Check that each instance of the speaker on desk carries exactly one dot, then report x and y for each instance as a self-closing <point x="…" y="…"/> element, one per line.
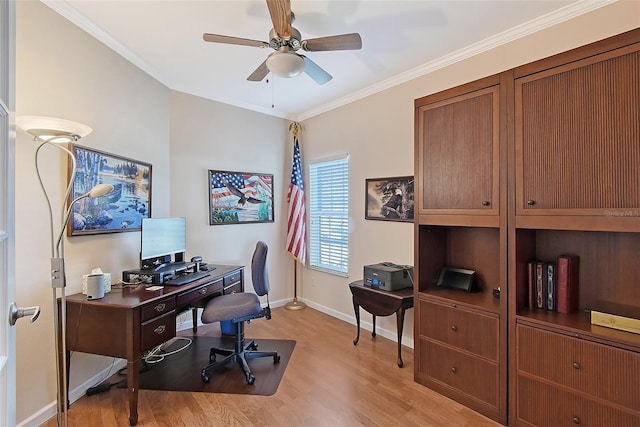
<point x="95" y="286"/>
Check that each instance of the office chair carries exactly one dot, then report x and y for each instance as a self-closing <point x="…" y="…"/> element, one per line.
<point x="239" y="308"/>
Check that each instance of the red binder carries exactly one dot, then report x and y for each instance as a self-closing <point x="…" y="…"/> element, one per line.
<point x="567" y="283"/>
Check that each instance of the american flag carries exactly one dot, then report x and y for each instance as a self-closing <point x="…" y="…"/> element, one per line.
<point x="296" y="226"/>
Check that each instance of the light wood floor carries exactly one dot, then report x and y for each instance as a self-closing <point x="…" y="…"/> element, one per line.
<point x="328" y="382"/>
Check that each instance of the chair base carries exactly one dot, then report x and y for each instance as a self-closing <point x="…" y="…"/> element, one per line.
<point x="243" y="351"/>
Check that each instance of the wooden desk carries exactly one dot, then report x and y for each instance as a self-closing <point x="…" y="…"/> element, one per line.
<point x="128" y="322"/>
<point x="381" y="303"/>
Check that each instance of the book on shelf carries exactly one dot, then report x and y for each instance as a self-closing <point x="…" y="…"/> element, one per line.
<point x="567" y="279"/>
<point x="616" y="316"/>
<point x="531" y="284"/>
<point x="550" y="277"/>
<point x="541" y="282"/>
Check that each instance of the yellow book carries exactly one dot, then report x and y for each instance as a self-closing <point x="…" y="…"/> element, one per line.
<point x="616" y="316"/>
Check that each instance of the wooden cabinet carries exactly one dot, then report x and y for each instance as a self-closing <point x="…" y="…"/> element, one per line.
<point x="576" y="175"/>
<point x="539" y="161"/>
<point x="459" y="148"/>
<point x="461" y="336"/>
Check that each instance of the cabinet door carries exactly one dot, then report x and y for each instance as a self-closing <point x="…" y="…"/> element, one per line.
<point x="577" y="133"/>
<point x="459" y="143"/>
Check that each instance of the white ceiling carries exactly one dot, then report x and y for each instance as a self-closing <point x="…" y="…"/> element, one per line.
<point x="401" y="40"/>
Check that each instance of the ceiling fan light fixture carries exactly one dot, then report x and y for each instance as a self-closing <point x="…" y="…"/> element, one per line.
<point x="285" y="64"/>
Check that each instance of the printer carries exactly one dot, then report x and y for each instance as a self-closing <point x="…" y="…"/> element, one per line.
<point x="388" y="276"/>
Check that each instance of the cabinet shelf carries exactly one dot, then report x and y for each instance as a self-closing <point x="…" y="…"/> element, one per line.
<point x="579" y="325"/>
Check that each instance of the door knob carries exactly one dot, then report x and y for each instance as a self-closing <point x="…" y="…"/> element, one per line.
<point x="16" y="312"/>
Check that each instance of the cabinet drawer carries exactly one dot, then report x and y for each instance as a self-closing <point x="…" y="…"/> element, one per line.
<point x="159" y="308"/>
<point x="233" y="289"/>
<point x="472" y="331"/>
<point x="544" y="405"/>
<point x="199" y="293"/>
<point x="471" y="375"/>
<point x="158" y="330"/>
<point x="599" y="370"/>
<point x="232" y="279"/>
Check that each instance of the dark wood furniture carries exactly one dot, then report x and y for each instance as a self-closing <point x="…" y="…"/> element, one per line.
<point x="381" y="303"/>
<point x="548" y="155"/>
<point x="460" y="337"/>
<point x="128" y="322"/>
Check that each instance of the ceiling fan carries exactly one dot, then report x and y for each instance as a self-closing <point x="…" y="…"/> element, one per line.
<point x="286" y="41"/>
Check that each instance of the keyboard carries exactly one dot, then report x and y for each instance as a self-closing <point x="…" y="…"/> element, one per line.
<point x="186" y="278"/>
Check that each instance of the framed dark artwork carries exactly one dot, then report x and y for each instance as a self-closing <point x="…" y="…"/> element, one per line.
<point x="389" y="199"/>
<point x="123" y="208"/>
<point x="240" y="197"/>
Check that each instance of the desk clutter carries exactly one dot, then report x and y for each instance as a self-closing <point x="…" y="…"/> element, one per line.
<point x="170" y="274"/>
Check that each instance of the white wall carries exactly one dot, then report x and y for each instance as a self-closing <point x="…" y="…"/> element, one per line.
<point x="378" y="134"/>
<point x="61" y="71"/>
<point x="207" y="135"/>
<point x="64" y="72"/>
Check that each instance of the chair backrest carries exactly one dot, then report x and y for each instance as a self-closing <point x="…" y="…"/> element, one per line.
<point x="259" y="273"/>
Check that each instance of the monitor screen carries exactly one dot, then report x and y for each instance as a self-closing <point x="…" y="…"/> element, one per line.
<point x="162" y="236"/>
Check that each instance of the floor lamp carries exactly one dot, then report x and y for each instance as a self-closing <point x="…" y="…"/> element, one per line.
<point x="53" y="132"/>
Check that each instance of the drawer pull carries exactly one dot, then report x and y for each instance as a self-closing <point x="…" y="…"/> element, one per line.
<point x="576" y="365"/>
<point x="203" y="291"/>
<point x="531" y="202"/>
<point x="160" y="329"/>
<point x="576" y="420"/>
<point x="454" y="370"/>
<point x="454" y="328"/>
<point x="486" y="203"/>
<point x="160" y="307"/>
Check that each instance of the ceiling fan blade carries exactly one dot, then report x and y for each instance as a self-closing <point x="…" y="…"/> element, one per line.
<point x="259" y="73"/>
<point x="215" y="38"/>
<point x="280" y="11"/>
<point x="315" y="72"/>
<point x="342" y="42"/>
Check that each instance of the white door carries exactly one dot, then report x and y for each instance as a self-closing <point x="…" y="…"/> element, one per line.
<point x="7" y="212"/>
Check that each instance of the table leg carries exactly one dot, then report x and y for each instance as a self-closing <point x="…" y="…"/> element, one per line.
<point x="373" y="332"/>
<point x="194" y="319"/>
<point x="400" y="322"/>
<point x="356" y="309"/>
<point x="133" y="382"/>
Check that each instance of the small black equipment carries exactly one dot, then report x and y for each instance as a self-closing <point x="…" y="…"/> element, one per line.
<point x="388" y="276"/>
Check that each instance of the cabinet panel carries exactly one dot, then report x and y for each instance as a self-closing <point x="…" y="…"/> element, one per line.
<point x="541" y="404"/>
<point x="459" y="146"/>
<point x="474" y="332"/>
<point x="577" y="133"/>
<point x="602" y="371"/>
<point x="471" y="375"/>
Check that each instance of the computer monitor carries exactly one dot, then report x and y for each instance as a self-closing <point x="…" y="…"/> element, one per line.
<point x="162" y="239"/>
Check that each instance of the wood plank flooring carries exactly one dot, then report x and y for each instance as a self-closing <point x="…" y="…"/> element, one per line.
<point x="328" y="382"/>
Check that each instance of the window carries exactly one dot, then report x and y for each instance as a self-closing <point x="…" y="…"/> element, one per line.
<point x="329" y="215"/>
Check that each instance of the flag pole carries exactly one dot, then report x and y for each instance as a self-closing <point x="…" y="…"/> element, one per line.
<point x="295" y="304"/>
<point x="296" y="226"/>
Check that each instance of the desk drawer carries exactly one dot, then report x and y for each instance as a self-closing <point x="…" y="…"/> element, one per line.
<point x="472" y="331"/>
<point x="476" y="377"/>
<point x="158" y="330"/>
<point x="158" y="309"/>
<point x="542" y="404"/>
<point x="581" y="365"/>
<point x="232" y="279"/>
<point x="200" y="292"/>
<point x="233" y="289"/>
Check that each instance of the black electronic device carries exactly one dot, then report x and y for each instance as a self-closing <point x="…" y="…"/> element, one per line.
<point x="388" y="276"/>
<point x="160" y="240"/>
<point x="457" y="278"/>
<point x="159" y="275"/>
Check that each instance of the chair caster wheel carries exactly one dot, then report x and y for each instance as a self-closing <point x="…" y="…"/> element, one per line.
<point x="276" y="358"/>
<point x="254" y="346"/>
<point x="251" y="379"/>
<point x="212" y="358"/>
<point x="205" y="377"/>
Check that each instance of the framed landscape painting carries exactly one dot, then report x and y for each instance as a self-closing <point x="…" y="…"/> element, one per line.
<point x="240" y="197"/>
<point x="123" y="208"/>
<point x="389" y="199"/>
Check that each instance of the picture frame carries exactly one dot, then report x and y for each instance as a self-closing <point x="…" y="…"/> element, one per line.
<point x="122" y="209"/>
<point x="389" y="199"/>
<point x="240" y="197"/>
